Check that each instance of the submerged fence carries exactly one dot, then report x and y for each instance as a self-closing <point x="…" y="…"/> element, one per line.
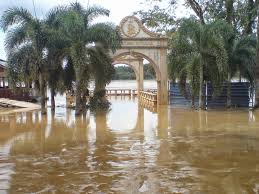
<point x="241" y="95"/>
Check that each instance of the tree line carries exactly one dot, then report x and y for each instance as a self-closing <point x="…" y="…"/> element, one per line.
<point x="214" y="44"/>
<point x="127" y="73"/>
<point x="64" y="50"/>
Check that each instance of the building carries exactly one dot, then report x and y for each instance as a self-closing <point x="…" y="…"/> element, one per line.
<point x="3" y="77"/>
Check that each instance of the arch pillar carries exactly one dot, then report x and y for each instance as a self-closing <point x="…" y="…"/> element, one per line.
<point x="162" y="83"/>
<point x="139" y="42"/>
<point x="140" y="81"/>
<point x="137" y="65"/>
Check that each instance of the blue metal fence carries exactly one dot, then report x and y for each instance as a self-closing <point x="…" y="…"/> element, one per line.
<point x="240" y="95"/>
<point x="177" y="98"/>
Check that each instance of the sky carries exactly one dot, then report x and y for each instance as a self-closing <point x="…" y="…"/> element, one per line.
<point x="118" y="10"/>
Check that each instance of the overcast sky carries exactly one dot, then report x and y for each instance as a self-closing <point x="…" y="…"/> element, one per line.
<point x="118" y="10"/>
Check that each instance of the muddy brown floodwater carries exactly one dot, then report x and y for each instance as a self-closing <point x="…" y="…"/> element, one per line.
<point x="130" y="150"/>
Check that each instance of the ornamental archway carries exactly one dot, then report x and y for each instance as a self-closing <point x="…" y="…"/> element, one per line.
<point x="138" y="43"/>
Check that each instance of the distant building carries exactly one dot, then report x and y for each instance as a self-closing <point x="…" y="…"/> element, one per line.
<point x="3" y="78"/>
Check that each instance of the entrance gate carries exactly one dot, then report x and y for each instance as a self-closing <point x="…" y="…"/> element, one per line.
<point x="138" y="43"/>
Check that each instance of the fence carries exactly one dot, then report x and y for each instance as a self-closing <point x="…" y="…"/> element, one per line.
<point x="20" y="94"/>
<point x="240" y="95"/>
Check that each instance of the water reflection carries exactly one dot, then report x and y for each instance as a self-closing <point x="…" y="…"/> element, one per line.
<point x="130" y="150"/>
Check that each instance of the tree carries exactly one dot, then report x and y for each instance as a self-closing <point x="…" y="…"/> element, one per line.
<point x="199" y="54"/>
<point x="149" y="72"/>
<point x="75" y="22"/>
<point x="158" y="19"/>
<point x="103" y="71"/>
<point x="56" y="52"/>
<point x="26" y="36"/>
<point x="240" y="25"/>
<point x="257" y="59"/>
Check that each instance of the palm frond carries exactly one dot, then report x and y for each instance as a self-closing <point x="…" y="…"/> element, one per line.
<point x="104" y="33"/>
<point x="95" y="11"/>
<point x="53" y="17"/>
<point x="15" y="15"/>
<point x="20" y="64"/>
<point x="16" y="36"/>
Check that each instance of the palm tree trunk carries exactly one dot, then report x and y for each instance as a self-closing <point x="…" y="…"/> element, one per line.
<point x="78" y="107"/>
<point x="201" y="98"/>
<point x="257" y="61"/>
<point x="193" y="101"/>
<point x="229" y="90"/>
<point x="84" y="95"/>
<point x="52" y="93"/>
<point x="99" y="86"/>
<point x="42" y="94"/>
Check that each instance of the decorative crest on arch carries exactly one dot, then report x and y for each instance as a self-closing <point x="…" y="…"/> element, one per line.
<point x="132" y="27"/>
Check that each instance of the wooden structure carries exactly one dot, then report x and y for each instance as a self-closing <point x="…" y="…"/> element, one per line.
<point x="21" y="93"/>
<point x="149" y="98"/>
<point x="121" y="92"/>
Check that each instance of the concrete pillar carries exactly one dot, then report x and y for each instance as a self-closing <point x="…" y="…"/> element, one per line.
<point x="141" y="75"/>
<point x="137" y="65"/>
<point x="162" y="88"/>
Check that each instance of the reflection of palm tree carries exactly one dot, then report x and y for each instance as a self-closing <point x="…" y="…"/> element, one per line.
<point x="104" y="149"/>
<point x="59" y="135"/>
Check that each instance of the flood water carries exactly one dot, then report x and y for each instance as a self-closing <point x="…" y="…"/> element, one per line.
<point x="130" y="150"/>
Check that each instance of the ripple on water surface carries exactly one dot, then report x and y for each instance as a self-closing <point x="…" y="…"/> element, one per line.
<point x="130" y="150"/>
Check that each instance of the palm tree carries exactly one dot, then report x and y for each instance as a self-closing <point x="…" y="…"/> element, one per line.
<point x="257" y="59"/>
<point x="56" y="53"/>
<point x="242" y="61"/>
<point x="103" y="71"/>
<point x="75" y="22"/>
<point x="26" y="36"/>
<point x="200" y="55"/>
<point x="184" y="61"/>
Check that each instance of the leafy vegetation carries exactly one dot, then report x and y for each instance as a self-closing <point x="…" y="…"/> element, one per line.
<point x="67" y="48"/>
<point x="38" y="50"/>
<point x="213" y="45"/>
<point x="127" y="73"/>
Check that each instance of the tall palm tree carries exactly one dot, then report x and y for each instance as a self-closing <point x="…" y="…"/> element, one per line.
<point x="56" y="53"/>
<point x="242" y="61"/>
<point x="76" y="23"/>
<point x="200" y="55"/>
<point x="26" y="33"/>
<point x="257" y="59"/>
<point x="103" y="71"/>
<point x="184" y="61"/>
